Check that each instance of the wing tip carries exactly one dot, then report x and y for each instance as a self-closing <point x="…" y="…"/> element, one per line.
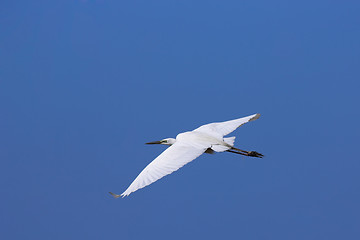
<point x="255" y="116"/>
<point x="115" y="195"/>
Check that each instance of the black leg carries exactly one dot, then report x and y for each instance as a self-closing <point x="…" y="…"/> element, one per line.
<point x="237" y="152"/>
<point x="245" y="153"/>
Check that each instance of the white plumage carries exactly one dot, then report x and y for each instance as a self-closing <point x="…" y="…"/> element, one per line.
<point x="186" y="147"/>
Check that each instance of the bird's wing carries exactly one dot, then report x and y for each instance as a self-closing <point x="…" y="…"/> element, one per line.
<point x="224" y="128"/>
<point x="167" y="162"/>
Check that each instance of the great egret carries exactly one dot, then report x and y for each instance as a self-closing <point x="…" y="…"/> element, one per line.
<point x="186" y="147"/>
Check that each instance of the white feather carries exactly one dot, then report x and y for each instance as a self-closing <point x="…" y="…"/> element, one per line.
<point x="169" y="161"/>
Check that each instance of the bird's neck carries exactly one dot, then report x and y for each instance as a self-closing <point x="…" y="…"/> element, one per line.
<point x="171" y="141"/>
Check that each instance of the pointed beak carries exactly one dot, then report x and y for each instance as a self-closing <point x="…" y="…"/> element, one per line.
<point x="155" y="142"/>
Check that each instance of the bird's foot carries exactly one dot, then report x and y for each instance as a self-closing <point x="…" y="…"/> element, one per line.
<point x="254" y="154"/>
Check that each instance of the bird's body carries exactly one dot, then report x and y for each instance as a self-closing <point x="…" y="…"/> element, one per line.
<point x="201" y="140"/>
<point x="186" y="147"/>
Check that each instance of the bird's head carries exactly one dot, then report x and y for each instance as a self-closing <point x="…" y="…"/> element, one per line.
<point x="166" y="141"/>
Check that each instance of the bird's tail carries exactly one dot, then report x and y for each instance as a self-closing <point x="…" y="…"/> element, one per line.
<point x="230" y="141"/>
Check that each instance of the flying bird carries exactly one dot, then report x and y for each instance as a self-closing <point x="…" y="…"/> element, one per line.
<point x="186" y="147"/>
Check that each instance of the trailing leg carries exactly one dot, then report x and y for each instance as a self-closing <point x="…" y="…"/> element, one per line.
<point x="245" y="153"/>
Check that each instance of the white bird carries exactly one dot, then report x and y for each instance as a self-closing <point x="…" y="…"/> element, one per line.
<point x="186" y="147"/>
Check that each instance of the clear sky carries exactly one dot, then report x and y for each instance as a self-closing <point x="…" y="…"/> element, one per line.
<point x="84" y="84"/>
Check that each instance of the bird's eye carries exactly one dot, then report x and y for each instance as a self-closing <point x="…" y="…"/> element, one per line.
<point x="164" y="141"/>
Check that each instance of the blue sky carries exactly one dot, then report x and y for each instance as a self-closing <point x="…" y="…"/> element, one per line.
<point x="84" y="84"/>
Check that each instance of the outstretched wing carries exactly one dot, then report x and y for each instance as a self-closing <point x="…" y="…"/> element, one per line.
<point x="224" y="128"/>
<point x="167" y="162"/>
